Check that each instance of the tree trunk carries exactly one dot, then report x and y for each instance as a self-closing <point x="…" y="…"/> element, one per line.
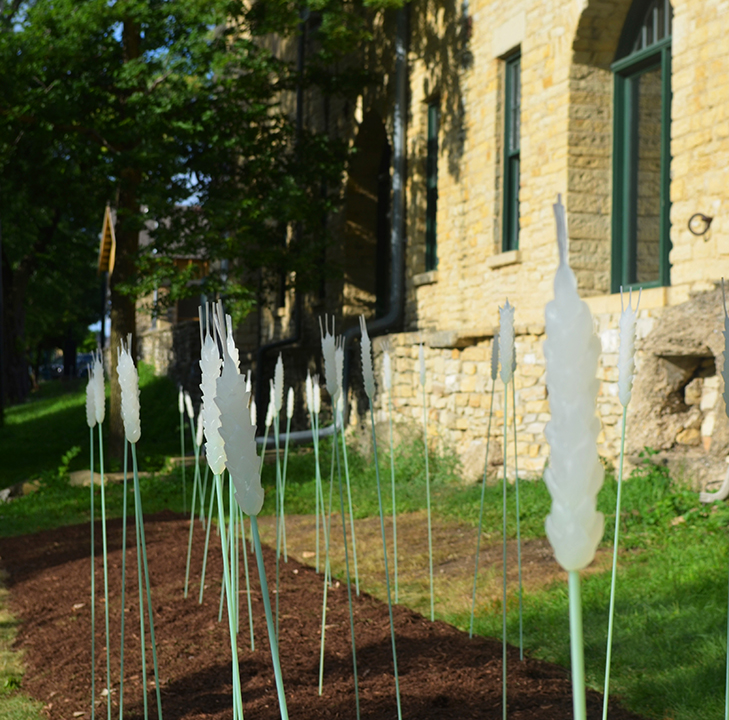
<point x="123" y="307"/>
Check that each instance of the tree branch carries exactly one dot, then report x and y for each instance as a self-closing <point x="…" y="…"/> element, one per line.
<point x="73" y="127"/>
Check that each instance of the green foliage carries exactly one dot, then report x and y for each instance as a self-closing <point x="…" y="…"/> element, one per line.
<point x="179" y="113"/>
<point x="410" y="464"/>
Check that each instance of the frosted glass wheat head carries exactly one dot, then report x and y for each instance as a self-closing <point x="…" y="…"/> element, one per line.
<point x="199" y="429"/>
<point x="239" y="437"/>
<point x="254" y="413"/>
<point x="230" y="343"/>
<point x="367" y="371"/>
<point x="339" y="365"/>
<point x="248" y="381"/>
<point x="180" y="400"/>
<point x="290" y="404"/>
<point x="574" y="475"/>
<point x="278" y="384"/>
<point x="188" y="406"/>
<point x="210" y="364"/>
<point x="421" y="358"/>
<point x="90" y="404"/>
<point x="387" y="370"/>
<point x="626" y="354"/>
<point x="99" y="395"/>
<point x="317" y="395"/>
<point x="309" y="393"/>
<point x="328" y="351"/>
<point x="272" y="398"/>
<point x="495" y="357"/>
<point x="129" y="383"/>
<point x="506" y="342"/>
<point x="269" y="415"/>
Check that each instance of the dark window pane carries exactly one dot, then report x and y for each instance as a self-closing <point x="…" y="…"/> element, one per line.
<point x="431" y="183"/>
<point x="647" y="180"/>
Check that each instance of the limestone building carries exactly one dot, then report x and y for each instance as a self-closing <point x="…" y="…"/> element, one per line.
<point x="486" y="111"/>
<point x="622" y="107"/>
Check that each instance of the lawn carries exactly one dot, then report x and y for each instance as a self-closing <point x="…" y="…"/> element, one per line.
<point x="671" y="611"/>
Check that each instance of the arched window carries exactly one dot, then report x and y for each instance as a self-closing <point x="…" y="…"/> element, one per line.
<point x="641" y="151"/>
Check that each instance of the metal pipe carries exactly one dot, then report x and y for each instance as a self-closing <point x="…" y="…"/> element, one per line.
<point x="397" y="232"/>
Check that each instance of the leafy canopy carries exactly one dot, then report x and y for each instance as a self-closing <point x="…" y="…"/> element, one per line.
<point x="183" y="106"/>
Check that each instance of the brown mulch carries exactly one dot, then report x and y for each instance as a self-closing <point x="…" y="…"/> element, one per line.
<point x="443" y="674"/>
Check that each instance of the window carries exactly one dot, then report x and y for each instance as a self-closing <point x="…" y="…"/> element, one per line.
<point x="512" y="127"/>
<point x="641" y="151"/>
<point x="431" y="184"/>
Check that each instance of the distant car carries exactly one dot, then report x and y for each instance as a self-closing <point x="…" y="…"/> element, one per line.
<point x="51" y="371"/>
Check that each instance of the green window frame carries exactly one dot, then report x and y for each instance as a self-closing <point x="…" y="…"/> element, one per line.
<point x="431" y="190"/>
<point x="641" y="223"/>
<point x="512" y="142"/>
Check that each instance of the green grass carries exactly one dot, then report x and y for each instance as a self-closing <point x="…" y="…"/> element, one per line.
<point x="38" y="433"/>
<point x="670" y="633"/>
<point x="669" y="649"/>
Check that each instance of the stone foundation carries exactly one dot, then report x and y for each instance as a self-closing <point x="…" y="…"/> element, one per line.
<point x="676" y="407"/>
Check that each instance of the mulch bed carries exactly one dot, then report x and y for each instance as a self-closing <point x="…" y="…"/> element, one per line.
<point x="443" y="674"/>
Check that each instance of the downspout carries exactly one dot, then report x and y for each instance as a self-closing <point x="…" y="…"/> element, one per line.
<point x="393" y="318"/>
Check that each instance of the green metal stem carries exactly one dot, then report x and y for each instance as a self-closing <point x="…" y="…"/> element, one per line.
<point x="427" y="494"/>
<point x="503" y="603"/>
<point x="317" y="483"/>
<point x="576" y="648"/>
<point x="351" y="511"/>
<point x="480" y="513"/>
<point x="207" y="544"/>
<point x="93" y="586"/>
<point x="248" y="581"/>
<point x="327" y="526"/>
<point x="278" y="517"/>
<point x="106" y="573"/>
<point x="726" y="689"/>
<point x="182" y="462"/>
<point x="394" y="508"/>
<point x="237" y="699"/>
<point x="204" y="492"/>
<point x="283" y="488"/>
<point x="349" y="579"/>
<point x="273" y="642"/>
<point x="518" y="520"/>
<point x="611" y="613"/>
<point x="140" y="521"/>
<point x="387" y="572"/>
<point x="140" y="584"/>
<point x="192" y="526"/>
<point x="123" y="583"/>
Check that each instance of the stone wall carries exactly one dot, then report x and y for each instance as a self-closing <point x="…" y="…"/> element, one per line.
<point x="675" y="410"/>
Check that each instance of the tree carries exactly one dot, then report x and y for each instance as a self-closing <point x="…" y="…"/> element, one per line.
<point x="172" y="106"/>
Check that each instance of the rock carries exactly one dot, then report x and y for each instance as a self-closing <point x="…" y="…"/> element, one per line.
<point x="690" y="436"/>
<point x="679" y="364"/>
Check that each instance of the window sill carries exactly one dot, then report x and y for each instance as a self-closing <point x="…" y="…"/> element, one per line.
<point x="512" y="257"/>
<point x="426" y="278"/>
